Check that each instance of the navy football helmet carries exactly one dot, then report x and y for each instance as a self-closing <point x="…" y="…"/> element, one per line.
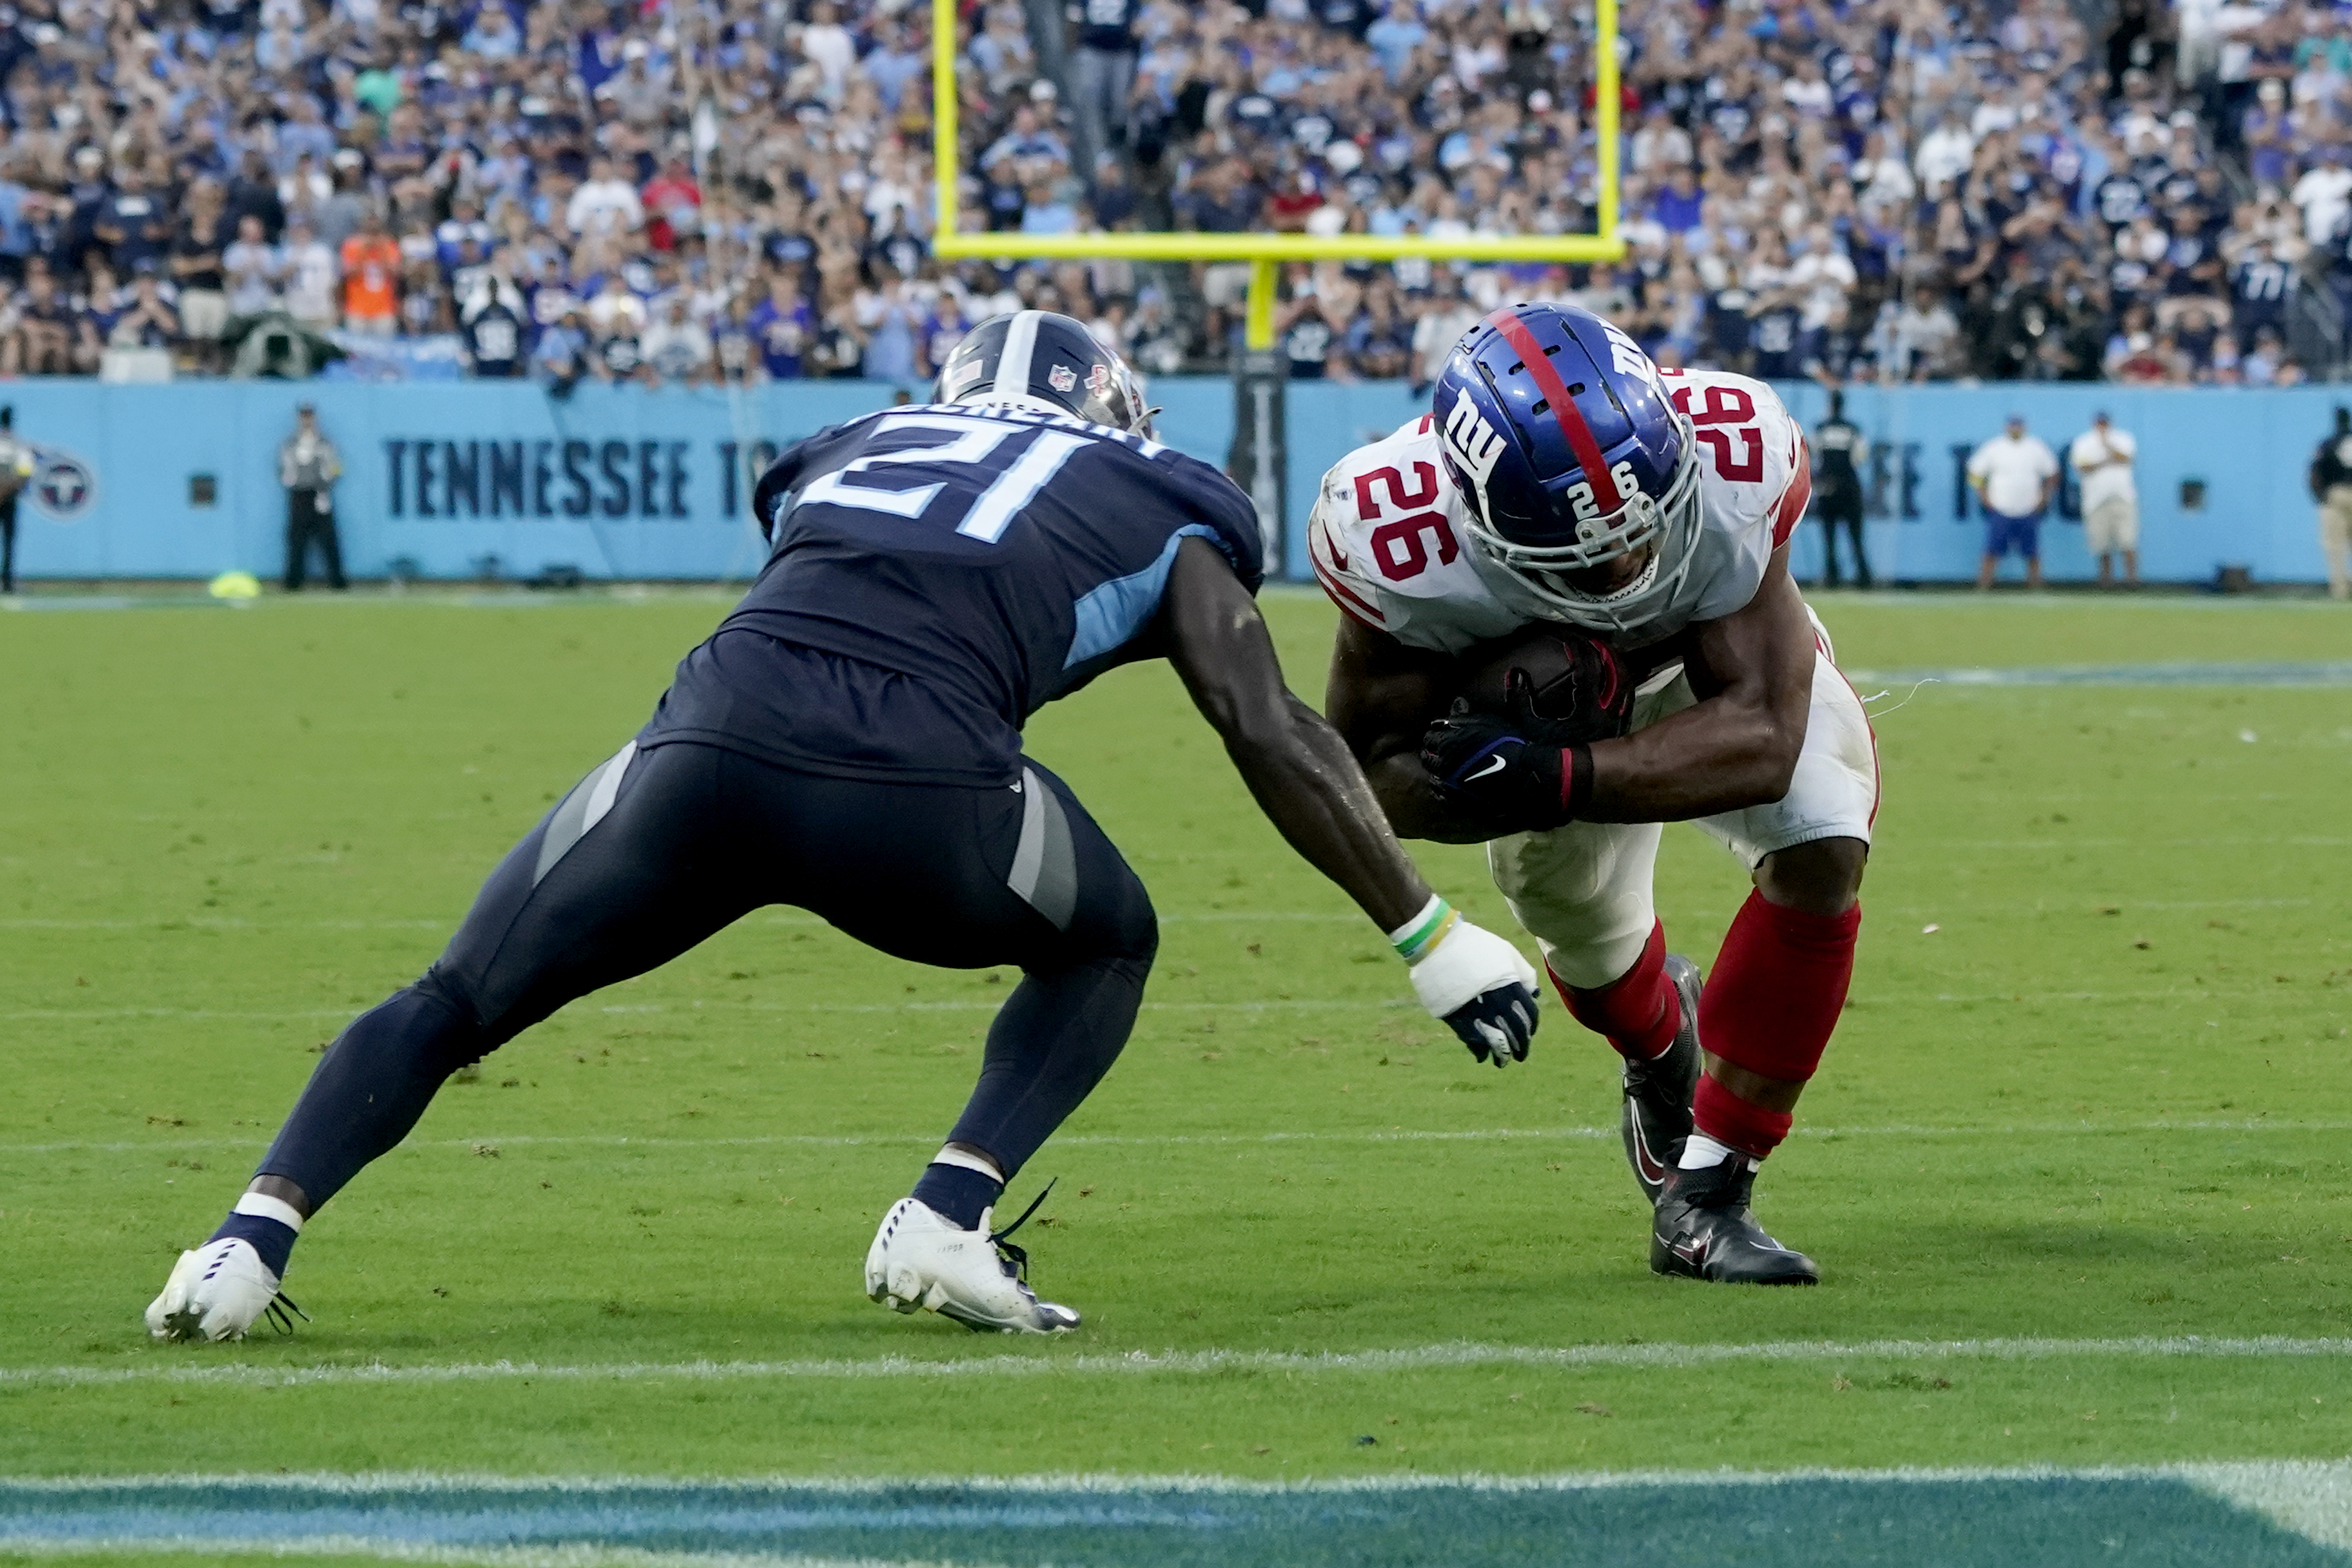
<point x="1042" y="359"/>
<point x="1568" y="456"/>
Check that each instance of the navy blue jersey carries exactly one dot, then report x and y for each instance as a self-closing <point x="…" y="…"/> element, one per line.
<point x="957" y="567"/>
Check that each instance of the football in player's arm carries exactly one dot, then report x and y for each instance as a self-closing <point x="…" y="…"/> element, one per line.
<point x="1562" y="478"/>
<point x="849" y="741"/>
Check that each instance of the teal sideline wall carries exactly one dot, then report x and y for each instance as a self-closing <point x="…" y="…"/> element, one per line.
<point x="651" y="469"/>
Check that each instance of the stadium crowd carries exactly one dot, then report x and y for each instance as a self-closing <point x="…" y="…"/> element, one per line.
<point x="716" y="189"/>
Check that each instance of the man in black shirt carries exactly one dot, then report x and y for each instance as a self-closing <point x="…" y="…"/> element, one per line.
<point x="134" y="223"/>
<point x="1841" y="452"/>
<point x="2260" y="289"/>
<point x="849" y="741"/>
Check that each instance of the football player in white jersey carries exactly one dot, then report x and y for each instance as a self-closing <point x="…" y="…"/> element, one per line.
<point x="1561" y="477"/>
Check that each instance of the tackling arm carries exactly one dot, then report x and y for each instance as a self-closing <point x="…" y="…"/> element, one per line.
<point x="1294" y="763"/>
<point x="1738" y="745"/>
<point x="1309" y="786"/>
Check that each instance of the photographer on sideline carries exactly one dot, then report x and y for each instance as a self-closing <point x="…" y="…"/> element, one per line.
<point x="16" y="468"/>
<point x="309" y="466"/>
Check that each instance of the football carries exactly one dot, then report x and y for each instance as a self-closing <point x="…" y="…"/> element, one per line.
<point x="1574" y="676"/>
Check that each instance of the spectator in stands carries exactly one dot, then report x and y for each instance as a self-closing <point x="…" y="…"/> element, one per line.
<point x="149" y="321"/>
<point x="1883" y="168"/>
<point x="370" y="265"/>
<point x="312" y="277"/>
<point x="253" y="270"/>
<point x="194" y="267"/>
<point x="676" y="346"/>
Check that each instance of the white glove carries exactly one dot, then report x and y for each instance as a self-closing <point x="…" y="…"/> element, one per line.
<point x="1479" y="985"/>
<point x="215" y="1292"/>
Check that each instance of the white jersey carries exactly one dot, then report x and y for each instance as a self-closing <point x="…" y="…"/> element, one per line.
<point x="1387" y="542"/>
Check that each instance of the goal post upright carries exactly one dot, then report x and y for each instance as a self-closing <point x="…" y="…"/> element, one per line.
<point x="1266" y="252"/>
<point x="1259" y="377"/>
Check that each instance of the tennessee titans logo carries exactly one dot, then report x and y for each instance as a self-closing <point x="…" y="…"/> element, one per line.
<point x="64" y="486"/>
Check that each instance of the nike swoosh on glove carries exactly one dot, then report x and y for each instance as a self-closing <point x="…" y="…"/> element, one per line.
<point x="1482" y="988"/>
<point x="1517" y="771"/>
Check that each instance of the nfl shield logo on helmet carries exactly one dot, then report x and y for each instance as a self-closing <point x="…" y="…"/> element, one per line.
<point x="1061" y="378"/>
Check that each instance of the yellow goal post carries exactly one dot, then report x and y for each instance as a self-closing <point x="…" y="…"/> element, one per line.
<point x="1265" y="253"/>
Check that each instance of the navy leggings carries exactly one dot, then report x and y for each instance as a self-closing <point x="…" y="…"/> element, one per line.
<point x="659" y="848"/>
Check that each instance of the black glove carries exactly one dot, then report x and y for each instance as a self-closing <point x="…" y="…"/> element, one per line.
<point x="1497" y="1026"/>
<point x="1518" y="770"/>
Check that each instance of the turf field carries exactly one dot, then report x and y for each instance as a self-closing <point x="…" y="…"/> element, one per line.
<point x="2076" y="1168"/>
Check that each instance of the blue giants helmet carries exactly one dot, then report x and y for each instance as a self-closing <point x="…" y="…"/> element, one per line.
<point x="1559" y="434"/>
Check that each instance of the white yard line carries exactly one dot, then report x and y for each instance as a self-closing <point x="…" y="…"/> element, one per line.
<point x="990" y="1004"/>
<point x="1204" y="917"/>
<point x="327" y="1486"/>
<point x="1175" y="1140"/>
<point x="181" y="1369"/>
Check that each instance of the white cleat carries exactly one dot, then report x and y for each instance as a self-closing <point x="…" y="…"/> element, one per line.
<point x="920" y="1259"/>
<point x="217" y="1291"/>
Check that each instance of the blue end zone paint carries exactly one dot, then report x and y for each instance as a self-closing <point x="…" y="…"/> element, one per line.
<point x="1997" y="1522"/>
<point x="2311" y="673"/>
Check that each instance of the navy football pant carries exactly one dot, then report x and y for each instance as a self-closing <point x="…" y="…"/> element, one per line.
<point x="658" y="849"/>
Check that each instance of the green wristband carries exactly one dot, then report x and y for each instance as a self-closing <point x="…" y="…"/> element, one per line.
<point x="1421" y="933"/>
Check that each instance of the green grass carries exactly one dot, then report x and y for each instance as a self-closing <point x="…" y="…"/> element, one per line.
<point x="2104" y="1098"/>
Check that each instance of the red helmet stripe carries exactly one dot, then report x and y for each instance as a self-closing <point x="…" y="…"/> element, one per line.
<point x="1563" y="408"/>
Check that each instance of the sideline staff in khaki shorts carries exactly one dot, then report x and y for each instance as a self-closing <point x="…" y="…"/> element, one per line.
<point x="2103" y="456"/>
<point x="2331" y="487"/>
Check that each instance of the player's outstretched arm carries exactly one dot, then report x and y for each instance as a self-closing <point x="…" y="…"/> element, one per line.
<point x="1383" y="696"/>
<point x="1738" y="746"/>
<point x="1309" y="785"/>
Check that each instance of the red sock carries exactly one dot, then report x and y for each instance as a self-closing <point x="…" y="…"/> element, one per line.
<point x="1639" y="1012"/>
<point x="1769" y="1006"/>
<point x="1737" y="1124"/>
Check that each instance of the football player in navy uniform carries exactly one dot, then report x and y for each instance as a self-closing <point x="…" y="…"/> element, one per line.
<point x="849" y="741"/>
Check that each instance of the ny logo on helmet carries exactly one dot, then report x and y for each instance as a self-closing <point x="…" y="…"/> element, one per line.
<point x="1472" y="443"/>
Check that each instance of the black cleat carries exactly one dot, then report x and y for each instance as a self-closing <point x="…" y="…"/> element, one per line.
<point x="1657" y="1115"/>
<point x="1703" y="1230"/>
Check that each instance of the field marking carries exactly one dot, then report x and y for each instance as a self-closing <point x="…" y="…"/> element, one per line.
<point x="2269" y="672"/>
<point x="329" y="1486"/>
<point x="1666" y="1355"/>
<point x="1212" y="917"/>
<point x="992" y="1004"/>
<point x="1178" y="1140"/>
<point x="1163" y="1140"/>
<point x="383" y="1549"/>
<point x="2312" y="1499"/>
<point x="190" y="922"/>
